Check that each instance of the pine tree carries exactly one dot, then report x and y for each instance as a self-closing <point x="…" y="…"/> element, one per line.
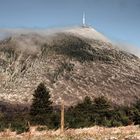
<point x="41" y="107"/>
<point x="136" y="112"/>
<point x="101" y="110"/>
<point x="101" y="103"/>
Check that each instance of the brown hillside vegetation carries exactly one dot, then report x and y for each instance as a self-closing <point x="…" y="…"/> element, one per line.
<point x="93" y="133"/>
<point x="71" y="66"/>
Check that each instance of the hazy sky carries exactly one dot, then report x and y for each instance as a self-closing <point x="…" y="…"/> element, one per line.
<point x="118" y="19"/>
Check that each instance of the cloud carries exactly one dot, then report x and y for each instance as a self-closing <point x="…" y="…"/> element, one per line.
<point x="129" y="48"/>
<point x="46" y="34"/>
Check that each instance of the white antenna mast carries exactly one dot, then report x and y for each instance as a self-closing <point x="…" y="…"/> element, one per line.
<point x="84" y="19"/>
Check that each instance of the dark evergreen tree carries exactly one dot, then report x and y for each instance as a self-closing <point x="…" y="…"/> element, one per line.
<point x="41" y="108"/>
<point x="80" y="115"/>
<point x="101" y="103"/>
<point x="102" y="111"/>
<point x="136" y="112"/>
<point x="137" y="105"/>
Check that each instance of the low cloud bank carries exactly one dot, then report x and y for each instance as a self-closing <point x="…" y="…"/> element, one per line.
<point x="128" y="48"/>
<point x="46" y="34"/>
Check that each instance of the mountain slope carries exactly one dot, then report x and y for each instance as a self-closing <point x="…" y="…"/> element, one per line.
<point x="71" y="64"/>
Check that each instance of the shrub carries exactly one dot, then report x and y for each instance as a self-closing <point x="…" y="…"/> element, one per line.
<point x="115" y="123"/>
<point x="19" y="127"/>
<point x="41" y="128"/>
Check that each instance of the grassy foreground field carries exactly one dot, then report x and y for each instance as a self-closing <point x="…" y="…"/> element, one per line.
<point x="93" y="133"/>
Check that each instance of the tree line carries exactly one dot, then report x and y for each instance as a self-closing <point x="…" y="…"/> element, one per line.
<point x="85" y="114"/>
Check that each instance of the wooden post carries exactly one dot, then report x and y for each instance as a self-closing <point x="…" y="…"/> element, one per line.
<point x="29" y="133"/>
<point x="62" y="117"/>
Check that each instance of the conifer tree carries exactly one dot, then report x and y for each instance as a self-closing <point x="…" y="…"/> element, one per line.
<point x="41" y="107"/>
<point x="136" y="112"/>
<point x="101" y="103"/>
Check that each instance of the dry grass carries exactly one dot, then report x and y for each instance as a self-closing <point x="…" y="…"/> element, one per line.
<point x="93" y="133"/>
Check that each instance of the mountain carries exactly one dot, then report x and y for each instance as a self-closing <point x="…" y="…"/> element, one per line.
<point x="73" y="62"/>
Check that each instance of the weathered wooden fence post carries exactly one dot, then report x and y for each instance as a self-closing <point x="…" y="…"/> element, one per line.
<point x="62" y="117"/>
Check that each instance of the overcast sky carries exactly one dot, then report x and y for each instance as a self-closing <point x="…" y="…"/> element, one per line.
<point x="117" y="19"/>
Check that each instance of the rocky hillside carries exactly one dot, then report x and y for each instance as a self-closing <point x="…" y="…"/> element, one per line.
<point x="72" y="66"/>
